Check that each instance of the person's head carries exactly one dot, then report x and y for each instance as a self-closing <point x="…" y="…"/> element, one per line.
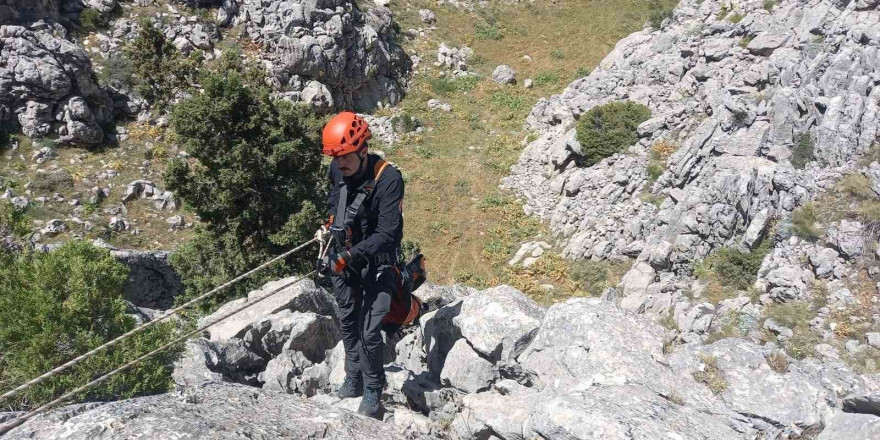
<point x="345" y="139"/>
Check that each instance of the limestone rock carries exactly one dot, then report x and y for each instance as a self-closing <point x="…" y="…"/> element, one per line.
<point x="499" y="323"/>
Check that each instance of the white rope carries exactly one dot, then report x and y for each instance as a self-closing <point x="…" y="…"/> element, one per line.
<point x="18" y="421"/>
<point x="147" y="325"/>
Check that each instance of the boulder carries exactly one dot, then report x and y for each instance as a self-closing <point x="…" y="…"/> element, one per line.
<point x="215" y="411"/>
<point x="285" y="294"/>
<point x="466" y="370"/>
<point x="765" y="43"/>
<point x="863" y="403"/>
<point x="503" y="75"/>
<point x="499" y="323"/>
<point x="851" y="427"/>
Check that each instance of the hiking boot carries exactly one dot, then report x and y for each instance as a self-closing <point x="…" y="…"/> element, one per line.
<point x="370" y="403"/>
<point x="351" y="387"/>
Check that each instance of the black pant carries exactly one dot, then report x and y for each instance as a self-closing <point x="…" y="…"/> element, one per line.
<point x="363" y="302"/>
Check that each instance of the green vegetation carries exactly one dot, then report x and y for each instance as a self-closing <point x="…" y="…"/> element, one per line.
<point x="509" y="100"/>
<point x="486" y="31"/>
<point x="769" y="5"/>
<point x="582" y="72"/>
<point x="12" y="221"/>
<point x="593" y="277"/>
<point x="711" y="375"/>
<point x="557" y="54"/>
<point x="802" y="152"/>
<point x="736" y="17"/>
<point x="608" y="129"/>
<point x="52" y="180"/>
<point x="405" y="123"/>
<point x="117" y="72"/>
<point x="803" y="223"/>
<point x="445" y="86"/>
<point x="659" y="12"/>
<point x="734" y="268"/>
<point x="659" y="154"/>
<point x="159" y="68"/>
<point x="252" y="178"/>
<point x="546" y="78"/>
<point x="56" y="305"/>
<point x="90" y="20"/>
<point x="722" y="13"/>
<point x="795" y="315"/>
<point x="744" y="42"/>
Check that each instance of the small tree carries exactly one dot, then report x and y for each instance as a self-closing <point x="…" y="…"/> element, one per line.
<point x="160" y="70"/>
<point x="253" y="176"/>
<point x="608" y="129"/>
<point x="56" y="305"/>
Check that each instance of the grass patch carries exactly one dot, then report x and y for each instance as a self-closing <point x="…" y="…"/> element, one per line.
<point x="769" y="5"/>
<point x="710" y="375"/>
<point x="736" y="17"/>
<point x="796" y="316"/>
<point x="593" y="277"/>
<point x="509" y="100"/>
<point x="659" y="13"/>
<point x="804" y="223"/>
<point x="546" y="78"/>
<point x="608" y="129"/>
<point x="744" y="42"/>
<point x="90" y="20"/>
<point x="659" y="154"/>
<point x="446" y="86"/>
<point x="582" y="72"/>
<point x="485" y="31"/>
<point x="722" y="13"/>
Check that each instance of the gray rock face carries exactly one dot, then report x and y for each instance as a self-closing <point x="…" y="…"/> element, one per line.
<point x="499" y="323"/>
<point x="851" y="427"/>
<point x="465" y="369"/>
<point x="736" y="118"/>
<point x="27" y="11"/>
<point x="44" y="75"/>
<point x="152" y="282"/>
<point x="351" y="52"/>
<point x="216" y="411"/>
<point x="300" y="296"/>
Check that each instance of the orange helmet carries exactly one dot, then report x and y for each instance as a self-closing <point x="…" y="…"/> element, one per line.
<point x="345" y="133"/>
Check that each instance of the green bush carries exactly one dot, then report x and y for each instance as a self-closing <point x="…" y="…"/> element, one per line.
<point x="803" y="223"/>
<point x="160" y="71"/>
<point x="90" y="20"/>
<point x="582" y="72"/>
<point x="544" y="78"/>
<point x="734" y="268"/>
<point x="254" y="177"/>
<point x="405" y="123"/>
<point x="557" y="54"/>
<point x="608" y="129"/>
<point x="485" y="31"/>
<point x="56" y="305"/>
<point x="117" y="72"/>
<point x="444" y="86"/>
<point x="802" y="152"/>
<point x="659" y="12"/>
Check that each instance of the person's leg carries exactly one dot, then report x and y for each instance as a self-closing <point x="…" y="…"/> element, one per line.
<point x="349" y="299"/>
<point x="377" y="303"/>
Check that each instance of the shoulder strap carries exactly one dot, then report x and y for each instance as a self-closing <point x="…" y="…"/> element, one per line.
<point x="346" y="215"/>
<point x="339" y="219"/>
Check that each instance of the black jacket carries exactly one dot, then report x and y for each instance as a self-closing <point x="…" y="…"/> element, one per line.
<point x="380" y="228"/>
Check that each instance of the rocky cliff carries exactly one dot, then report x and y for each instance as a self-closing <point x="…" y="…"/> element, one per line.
<point x="484" y="364"/>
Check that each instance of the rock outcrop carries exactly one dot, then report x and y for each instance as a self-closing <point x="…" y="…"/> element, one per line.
<point x="215" y="411"/>
<point x="736" y="100"/>
<point x="330" y="53"/>
<point x="47" y="86"/>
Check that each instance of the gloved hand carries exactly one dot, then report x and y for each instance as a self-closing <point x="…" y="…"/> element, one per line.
<point x="338" y="262"/>
<point x="322" y="232"/>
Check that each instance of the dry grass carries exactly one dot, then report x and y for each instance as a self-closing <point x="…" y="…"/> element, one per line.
<point x="778" y="361"/>
<point x="480" y="139"/>
<point x="710" y="375"/>
<point x="83" y="164"/>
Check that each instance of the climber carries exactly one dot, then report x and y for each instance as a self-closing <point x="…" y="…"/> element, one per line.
<point x="366" y="226"/>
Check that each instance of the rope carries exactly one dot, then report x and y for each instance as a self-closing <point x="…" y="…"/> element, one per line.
<point x="145" y="326"/>
<point x="18" y="421"/>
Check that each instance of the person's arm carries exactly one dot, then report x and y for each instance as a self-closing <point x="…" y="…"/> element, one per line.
<point x="388" y="196"/>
